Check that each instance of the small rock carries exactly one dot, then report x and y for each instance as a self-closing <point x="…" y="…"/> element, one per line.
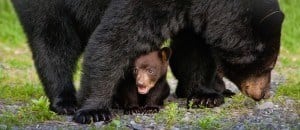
<point x="231" y="86"/>
<point x="135" y="125"/>
<point x="12" y="108"/>
<point x="69" y="118"/>
<point x="239" y="127"/>
<point x="149" y="129"/>
<point x="265" y="105"/>
<point x="174" y="128"/>
<point x="3" y="127"/>
<point x="99" y="124"/>
<point x="217" y="109"/>
<point x="271" y="127"/>
<point x="249" y="103"/>
<point x="289" y="103"/>
<point x="293" y="117"/>
<point x="268" y="120"/>
<point x="185" y="119"/>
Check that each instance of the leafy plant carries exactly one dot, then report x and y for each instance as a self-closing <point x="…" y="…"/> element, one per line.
<point x="209" y="122"/>
<point x="170" y="115"/>
<point x="113" y="125"/>
<point x="36" y="111"/>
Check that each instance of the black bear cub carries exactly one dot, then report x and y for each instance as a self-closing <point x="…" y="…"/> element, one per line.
<point x="147" y="88"/>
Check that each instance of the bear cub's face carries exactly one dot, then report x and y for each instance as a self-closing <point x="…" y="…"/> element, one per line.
<point x="150" y="68"/>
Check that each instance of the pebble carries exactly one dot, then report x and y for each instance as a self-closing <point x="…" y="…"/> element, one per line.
<point x="69" y="118"/>
<point x="217" y="109"/>
<point x="186" y="119"/>
<point x="289" y="103"/>
<point x="175" y="128"/>
<point x="294" y="117"/>
<point x="240" y="126"/>
<point x="99" y="124"/>
<point x="12" y="108"/>
<point x="231" y="86"/>
<point x="3" y="127"/>
<point x="135" y="125"/>
<point x="270" y="127"/>
<point x="265" y="105"/>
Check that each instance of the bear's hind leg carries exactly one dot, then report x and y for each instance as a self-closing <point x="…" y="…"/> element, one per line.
<point x="194" y="66"/>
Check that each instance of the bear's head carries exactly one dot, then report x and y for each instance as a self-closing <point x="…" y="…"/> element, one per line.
<point x="253" y="74"/>
<point x="150" y="68"/>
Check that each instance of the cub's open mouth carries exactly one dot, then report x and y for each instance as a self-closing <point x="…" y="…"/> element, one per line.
<point x="142" y="89"/>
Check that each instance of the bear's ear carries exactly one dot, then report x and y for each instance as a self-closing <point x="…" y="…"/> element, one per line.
<point x="267" y="17"/>
<point x="165" y="53"/>
<point x="270" y="24"/>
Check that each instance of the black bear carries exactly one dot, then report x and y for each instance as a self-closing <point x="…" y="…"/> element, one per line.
<point x="241" y="36"/>
<point x="57" y="33"/>
<point x="147" y="89"/>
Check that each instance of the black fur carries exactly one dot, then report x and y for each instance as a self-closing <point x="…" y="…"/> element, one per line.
<point x="58" y="31"/>
<point x="127" y="97"/>
<point x="223" y="32"/>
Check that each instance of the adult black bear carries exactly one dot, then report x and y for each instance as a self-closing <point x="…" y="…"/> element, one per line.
<point x="145" y="90"/>
<point x="241" y="36"/>
<point x="57" y="32"/>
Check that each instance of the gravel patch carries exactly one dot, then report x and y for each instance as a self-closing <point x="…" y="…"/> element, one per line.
<point x="252" y="115"/>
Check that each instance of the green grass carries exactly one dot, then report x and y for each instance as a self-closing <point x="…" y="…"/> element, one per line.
<point x="209" y="122"/>
<point x="289" y="59"/>
<point x="35" y="111"/>
<point x="170" y="115"/>
<point x="11" y="31"/>
<point x="19" y="83"/>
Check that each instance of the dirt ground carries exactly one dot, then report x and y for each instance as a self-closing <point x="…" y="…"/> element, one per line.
<point x="267" y="114"/>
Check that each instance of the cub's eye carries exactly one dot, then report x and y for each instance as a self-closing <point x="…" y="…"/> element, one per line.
<point x="150" y="71"/>
<point x="135" y="70"/>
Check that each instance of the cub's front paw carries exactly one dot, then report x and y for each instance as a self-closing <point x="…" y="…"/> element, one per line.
<point x="150" y="109"/>
<point x="209" y="100"/>
<point x="132" y="110"/>
<point x="64" y="106"/>
<point x="87" y="116"/>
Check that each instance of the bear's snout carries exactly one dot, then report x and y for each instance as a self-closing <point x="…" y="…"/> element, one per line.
<point x="257" y="87"/>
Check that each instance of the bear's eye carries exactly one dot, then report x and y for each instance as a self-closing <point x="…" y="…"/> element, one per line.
<point x="267" y="70"/>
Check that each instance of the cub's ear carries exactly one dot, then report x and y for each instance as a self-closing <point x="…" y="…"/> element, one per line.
<point x="165" y="53"/>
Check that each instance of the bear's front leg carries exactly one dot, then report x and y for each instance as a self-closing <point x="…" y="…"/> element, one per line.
<point x="106" y="59"/>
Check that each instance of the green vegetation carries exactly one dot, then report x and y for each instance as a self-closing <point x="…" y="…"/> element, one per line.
<point x="24" y="93"/>
<point x="11" y="31"/>
<point x="289" y="59"/>
<point x="21" y="91"/>
<point x="20" y="86"/>
<point x="35" y="111"/>
<point x="113" y="125"/>
<point x="170" y="115"/>
<point x="209" y="122"/>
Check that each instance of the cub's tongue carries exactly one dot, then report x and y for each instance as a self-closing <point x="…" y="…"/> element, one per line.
<point x="142" y="89"/>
